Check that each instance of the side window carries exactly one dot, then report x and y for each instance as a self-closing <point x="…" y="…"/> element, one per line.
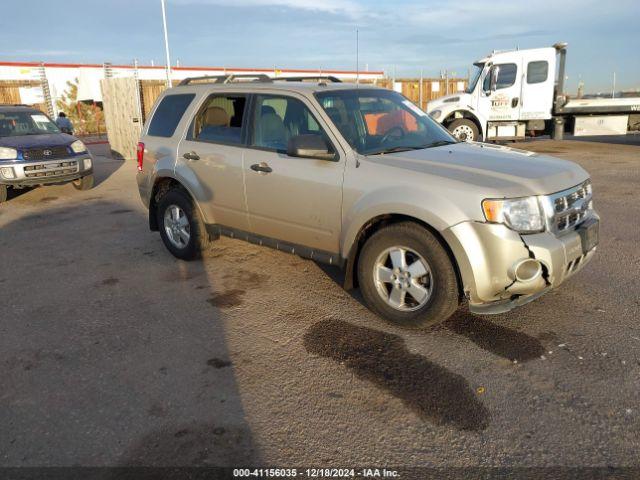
<point x="506" y="76"/>
<point x="219" y="120"/>
<point x="537" y="72"/>
<point x="168" y="114"/>
<point x="277" y="119"/>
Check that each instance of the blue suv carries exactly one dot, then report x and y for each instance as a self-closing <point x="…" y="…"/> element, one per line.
<point x="33" y="152"/>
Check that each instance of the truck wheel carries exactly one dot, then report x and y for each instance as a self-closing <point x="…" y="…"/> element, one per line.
<point x="182" y="229"/>
<point x="84" y="183"/>
<point x="3" y="193"/>
<point x="406" y="276"/>
<point x="464" y="130"/>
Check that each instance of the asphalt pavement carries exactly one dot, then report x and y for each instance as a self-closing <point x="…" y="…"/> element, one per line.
<point x="112" y="352"/>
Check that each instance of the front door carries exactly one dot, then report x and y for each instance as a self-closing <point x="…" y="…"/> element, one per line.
<point x="210" y="159"/>
<point x="296" y="200"/>
<point x="503" y="103"/>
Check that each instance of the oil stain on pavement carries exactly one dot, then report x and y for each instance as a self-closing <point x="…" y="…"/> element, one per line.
<point x="502" y="341"/>
<point x="431" y="391"/>
<point x="228" y="299"/>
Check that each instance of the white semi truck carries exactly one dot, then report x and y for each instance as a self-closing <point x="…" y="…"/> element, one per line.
<point x="519" y="93"/>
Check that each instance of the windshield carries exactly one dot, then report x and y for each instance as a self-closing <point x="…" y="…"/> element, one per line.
<point x="13" y="124"/>
<point x="475" y="76"/>
<point x="376" y="121"/>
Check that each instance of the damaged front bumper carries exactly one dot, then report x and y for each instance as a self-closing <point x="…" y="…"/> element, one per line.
<point x="501" y="269"/>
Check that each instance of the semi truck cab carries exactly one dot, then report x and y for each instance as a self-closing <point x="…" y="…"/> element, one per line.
<point x="512" y="94"/>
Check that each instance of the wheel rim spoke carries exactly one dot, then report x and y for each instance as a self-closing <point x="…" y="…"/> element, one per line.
<point x="384" y="274"/>
<point x="417" y="291"/>
<point x="397" y="297"/>
<point x="417" y="269"/>
<point x="398" y="258"/>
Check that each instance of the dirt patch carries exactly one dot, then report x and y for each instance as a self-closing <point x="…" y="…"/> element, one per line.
<point x="431" y="391"/>
<point x="228" y="299"/>
<point x="502" y="341"/>
<point x="48" y="199"/>
<point x="110" y="281"/>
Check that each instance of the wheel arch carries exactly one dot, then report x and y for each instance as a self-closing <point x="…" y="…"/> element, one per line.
<point x="162" y="185"/>
<point x="375" y="224"/>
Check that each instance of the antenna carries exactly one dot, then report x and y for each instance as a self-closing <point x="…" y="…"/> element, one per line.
<point x="357" y="58"/>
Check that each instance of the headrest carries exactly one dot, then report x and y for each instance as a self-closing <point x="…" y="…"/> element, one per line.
<point x="266" y="109"/>
<point x="216" y="117"/>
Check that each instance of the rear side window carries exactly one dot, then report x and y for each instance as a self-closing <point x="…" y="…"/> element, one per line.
<point x="537" y="72"/>
<point x="220" y="120"/>
<point x="168" y="114"/>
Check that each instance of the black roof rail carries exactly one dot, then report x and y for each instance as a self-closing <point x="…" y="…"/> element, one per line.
<point x="315" y="78"/>
<point x="260" y="77"/>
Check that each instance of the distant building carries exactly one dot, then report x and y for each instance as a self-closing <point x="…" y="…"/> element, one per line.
<point x="25" y="79"/>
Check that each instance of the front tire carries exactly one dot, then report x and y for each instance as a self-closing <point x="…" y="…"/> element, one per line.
<point x="84" y="183"/>
<point x="464" y="130"/>
<point x="406" y="276"/>
<point x="181" y="227"/>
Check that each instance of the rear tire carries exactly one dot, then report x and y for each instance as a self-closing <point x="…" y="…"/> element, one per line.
<point x="464" y="130"/>
<point x="428" y="273"/>
<point x="3" y="193"/>
<point x="181" y="227"/>
<point x="84" y="183"/>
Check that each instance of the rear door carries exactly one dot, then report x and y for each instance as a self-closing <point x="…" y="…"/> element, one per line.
<point x="298" y="200"/>
<point x="538" y="74"/>
<point x="210" y="159"/>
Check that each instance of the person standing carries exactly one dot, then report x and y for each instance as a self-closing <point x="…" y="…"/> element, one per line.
<point x="64" y="124"/>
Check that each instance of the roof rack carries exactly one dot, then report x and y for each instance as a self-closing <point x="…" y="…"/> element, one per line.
<point x="315" y="78"/>
<point x="261" y="77"/>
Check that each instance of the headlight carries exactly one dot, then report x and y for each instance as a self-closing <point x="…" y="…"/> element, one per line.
<point x="8" y="153"/>
<point x="523" y="215"/>
<point x="436" y="114"/>
<point x="78" y="147"/>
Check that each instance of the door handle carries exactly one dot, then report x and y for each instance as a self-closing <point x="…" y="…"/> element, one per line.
<point x="514" y="102"/>
<point x="191" y="156"/>
<point x="261" y="167"/>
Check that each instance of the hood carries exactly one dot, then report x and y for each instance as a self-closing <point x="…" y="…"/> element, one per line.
<point x="491" y="170"/>
<point x="37" y="141"/>
<point x="453" y="100"/>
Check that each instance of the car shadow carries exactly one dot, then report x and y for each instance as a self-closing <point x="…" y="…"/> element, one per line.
<point x="490" y="336"/>
<point x="117" y="355"/>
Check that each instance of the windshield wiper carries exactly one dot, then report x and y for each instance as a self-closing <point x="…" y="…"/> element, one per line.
<point x="439" y="143"/>
<point x="395" y="150"/>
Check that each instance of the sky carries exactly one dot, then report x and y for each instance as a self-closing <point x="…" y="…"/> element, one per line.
<point x="404" y="36"/>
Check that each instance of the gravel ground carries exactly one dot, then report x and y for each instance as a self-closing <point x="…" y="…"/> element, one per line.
<point x="112" y="352"/>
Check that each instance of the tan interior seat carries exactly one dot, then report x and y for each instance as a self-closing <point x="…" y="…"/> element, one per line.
<point x="216" y="117"/>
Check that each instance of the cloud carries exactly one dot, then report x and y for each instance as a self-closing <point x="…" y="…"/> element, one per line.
<point x="330" y="6"/>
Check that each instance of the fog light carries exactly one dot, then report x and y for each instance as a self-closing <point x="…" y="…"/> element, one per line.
<point x="7" y="172"/>
<point x="526" y="270"/>
<point x="86" y="163"/>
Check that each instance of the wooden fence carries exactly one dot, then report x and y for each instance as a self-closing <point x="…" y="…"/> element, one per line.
<point x="10" y="92"/>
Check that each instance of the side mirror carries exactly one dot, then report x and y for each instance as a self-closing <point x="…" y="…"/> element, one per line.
<point x="309" y="146"/>
<point x="495" y="70"/>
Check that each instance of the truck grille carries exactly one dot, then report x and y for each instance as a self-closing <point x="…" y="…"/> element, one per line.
<point x="51" y="169"/>
<point x="50" y="153"/>
<point x="570" y="207"/>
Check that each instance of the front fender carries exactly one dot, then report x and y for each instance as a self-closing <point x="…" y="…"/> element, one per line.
<point x="398" y="200"/>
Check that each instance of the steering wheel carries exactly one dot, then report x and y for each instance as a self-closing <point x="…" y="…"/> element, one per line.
<point x="389" y="133"/>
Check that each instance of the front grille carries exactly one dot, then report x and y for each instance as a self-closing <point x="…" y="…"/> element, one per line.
<point x="50" y="153"/>
<point x="570" y="207"/>
<point x="51" y="169"/>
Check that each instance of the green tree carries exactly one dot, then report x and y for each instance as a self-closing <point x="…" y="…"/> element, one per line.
<point x="87" y="117"/>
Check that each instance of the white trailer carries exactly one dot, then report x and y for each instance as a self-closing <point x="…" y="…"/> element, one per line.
<point x="513" y="94"/>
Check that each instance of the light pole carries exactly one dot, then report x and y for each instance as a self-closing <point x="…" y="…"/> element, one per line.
<point x="166" y="44"/>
